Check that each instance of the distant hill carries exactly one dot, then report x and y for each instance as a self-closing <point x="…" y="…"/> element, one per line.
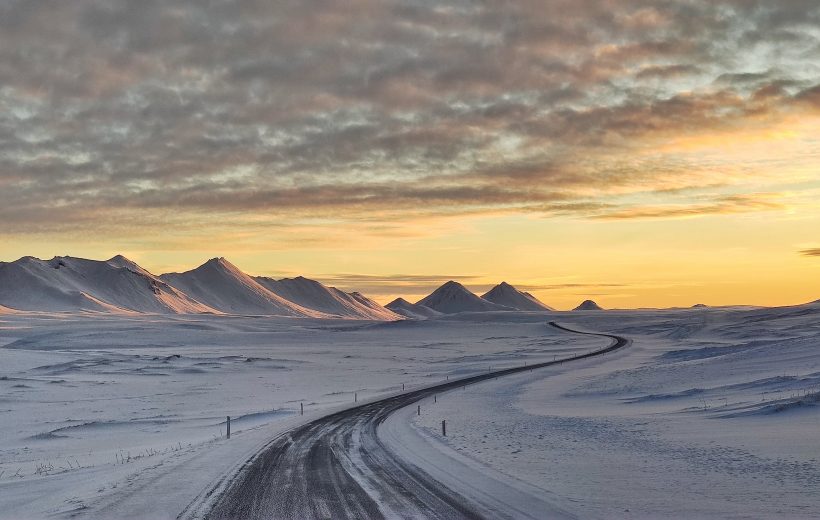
<point x="508" y="296"/>
<point x="221" y="285"/>
<point x="412" y="310"/>
<point x="329" y="300"/>
<point x="588" y="305"/>
<point x="452" y="297"/>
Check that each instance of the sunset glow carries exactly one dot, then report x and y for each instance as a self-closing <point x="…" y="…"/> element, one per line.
<point x="641" y="153"/>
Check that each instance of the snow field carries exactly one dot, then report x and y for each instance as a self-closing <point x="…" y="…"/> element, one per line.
<point x="98" y="411"/>
<point x="710" y="414"/>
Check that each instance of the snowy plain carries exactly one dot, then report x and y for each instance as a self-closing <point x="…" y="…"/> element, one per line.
<point x="710" y="413"/>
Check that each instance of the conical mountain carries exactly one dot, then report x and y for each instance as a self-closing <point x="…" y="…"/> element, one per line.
<point x="412" y="310"/>
<point x="452" y="297"/>
<point x="329" y="300"/>
<point x="221" y="285"/>
<point x="76" y="284"/>
<point x="588" y="305"/>
<point x="507" y="295"/>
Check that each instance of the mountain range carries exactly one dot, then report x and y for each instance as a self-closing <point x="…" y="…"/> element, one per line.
<point x="121" y="286"/>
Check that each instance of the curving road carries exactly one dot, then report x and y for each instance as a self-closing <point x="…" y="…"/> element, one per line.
<point x="337" y="467"/>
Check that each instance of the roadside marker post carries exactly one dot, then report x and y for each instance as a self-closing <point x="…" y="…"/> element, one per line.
<point x="301" y="408"/>
<point x="228" y="423"/>
<point x="419" y="410"/>
<point x="444" y="428"/>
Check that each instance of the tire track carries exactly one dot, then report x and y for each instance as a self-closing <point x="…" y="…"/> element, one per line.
<point x="336" y="467"/>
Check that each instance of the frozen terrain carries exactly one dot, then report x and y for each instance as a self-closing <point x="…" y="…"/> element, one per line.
<point x="95" y="407"/>
<point x="712" y="413"/>
<point x="709" y="413"/>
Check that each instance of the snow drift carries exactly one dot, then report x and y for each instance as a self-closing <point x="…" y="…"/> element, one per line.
<point x="507" y="295"/>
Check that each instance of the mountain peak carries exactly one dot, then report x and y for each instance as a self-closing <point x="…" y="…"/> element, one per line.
<point x="588" y="305"/>
<point x="453" y="297"/>
<point x="222" y="264"/>
<point x="507" y="295"/>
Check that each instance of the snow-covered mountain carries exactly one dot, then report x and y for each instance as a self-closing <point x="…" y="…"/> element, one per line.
<point x="121" y="261"/>
<point x="329" y="300"/>
<point x="453" y="297"/>
<point x="411" y="310"/>
<point x="588" y="305"/>
<point x="507" y="295"/>
<point x="373" y="305"/>
<point x="222" y="286"/>
<point x="75" y="284"/>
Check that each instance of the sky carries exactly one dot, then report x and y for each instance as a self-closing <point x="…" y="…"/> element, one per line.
<point x="639" y="153"/>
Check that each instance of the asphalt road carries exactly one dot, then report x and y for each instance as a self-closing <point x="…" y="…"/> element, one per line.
<point x="336" y="467"/>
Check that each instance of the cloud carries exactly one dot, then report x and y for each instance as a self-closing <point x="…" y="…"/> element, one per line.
<point x="392" y="284"/>
<point x="132" y="111"/>
<point x="810" y="252"/>
<point x="720" y="206"/>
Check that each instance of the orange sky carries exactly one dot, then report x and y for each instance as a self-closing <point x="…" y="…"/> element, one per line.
<point x="636" y="153"/>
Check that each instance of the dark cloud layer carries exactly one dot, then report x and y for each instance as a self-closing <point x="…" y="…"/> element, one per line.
<point x="341" y="108"/>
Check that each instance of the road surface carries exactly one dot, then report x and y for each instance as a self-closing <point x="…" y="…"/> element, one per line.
<point x="336" y="467"/>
